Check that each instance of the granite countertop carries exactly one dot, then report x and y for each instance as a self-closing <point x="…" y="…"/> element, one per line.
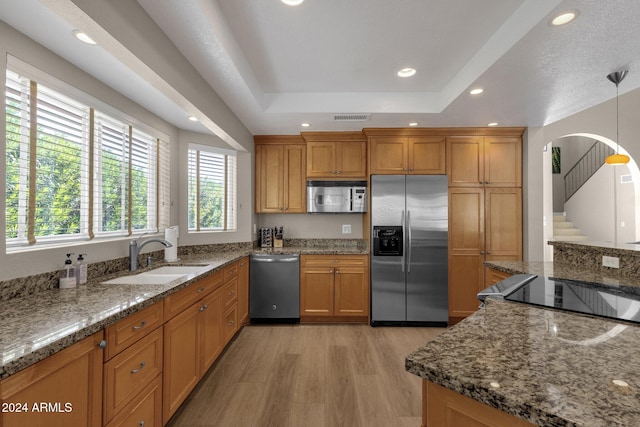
<point x="547" y="367"/>
<point x="38" y="325"/>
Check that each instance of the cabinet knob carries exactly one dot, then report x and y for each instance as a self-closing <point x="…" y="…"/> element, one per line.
<point x="488" y="252"/>
<point x="102" y="344"/>
<point x="411" y="170"/>
<point x="231" y="292"/>
<point x="481" y="252"/>
<point x="339" y="172"/>
<point x="201" y="290"/>
<point x="337" y="271"/>
<point x="280" y="209"/>
<point x="141" y="423"/>
<point x="231" y="323"/>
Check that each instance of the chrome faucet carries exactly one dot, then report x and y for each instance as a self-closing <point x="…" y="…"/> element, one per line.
<point x="134" y="250"/>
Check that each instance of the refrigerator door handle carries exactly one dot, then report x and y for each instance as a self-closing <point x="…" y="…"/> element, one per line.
<point x="410" y="242"/>
<point x="404" y="245"/>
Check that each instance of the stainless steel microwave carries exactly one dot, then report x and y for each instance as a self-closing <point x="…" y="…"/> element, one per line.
<point x="336" y="196"/>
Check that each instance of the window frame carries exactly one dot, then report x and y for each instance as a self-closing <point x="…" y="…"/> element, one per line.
<point x="158" y="146"/>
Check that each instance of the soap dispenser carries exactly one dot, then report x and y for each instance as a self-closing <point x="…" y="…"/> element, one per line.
<point x="81" y="270"/>
<point x="67" y="275"/>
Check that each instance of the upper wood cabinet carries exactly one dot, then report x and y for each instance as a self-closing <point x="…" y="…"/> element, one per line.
<point x="335" y="155"/>
<point x="484" y="161"/>
<point x="280" y="174"/>
<point x="406" y="151"/>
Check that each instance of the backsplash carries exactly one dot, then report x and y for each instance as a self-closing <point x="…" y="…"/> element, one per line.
<point x="589" y="257"/>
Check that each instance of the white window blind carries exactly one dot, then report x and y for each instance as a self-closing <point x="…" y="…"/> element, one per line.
<point x="75" y="173"/>
<point x="212" y="189"/>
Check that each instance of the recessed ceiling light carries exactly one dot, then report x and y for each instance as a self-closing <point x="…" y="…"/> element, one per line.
<point x="292" y="2"/>
<point x="83" y="37"/>
<point x="193" y="118"/>
<point x="476" y="91"/>
<point x="406" y="72"/>
<point x="305" y="125"/>
<point x="413" y="124"/>
<point x="564" y="18"/>
<point x="493" y="124"/>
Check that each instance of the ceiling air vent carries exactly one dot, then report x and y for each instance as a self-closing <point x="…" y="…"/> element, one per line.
<point x="351" y="117"/>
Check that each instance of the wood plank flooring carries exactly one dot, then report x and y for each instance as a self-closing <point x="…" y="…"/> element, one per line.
<point x="310" y="376"/>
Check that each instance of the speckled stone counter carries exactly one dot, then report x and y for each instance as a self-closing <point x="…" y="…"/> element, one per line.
<point x="44" y="321"/>
<point x="547" y="367"/>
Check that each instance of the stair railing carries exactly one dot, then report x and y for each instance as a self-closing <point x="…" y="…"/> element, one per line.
<point x="585" y="167"/>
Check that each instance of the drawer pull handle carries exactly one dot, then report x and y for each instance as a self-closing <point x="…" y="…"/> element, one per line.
<point x="231" y="323"/>
<point x="231" y="292"/>
<point x="201" y="289"/>
<point x="204" y="307"/>
<point x="140" y="326"/>
<point x="141" y="423"/>
<point x="142" y="365"/>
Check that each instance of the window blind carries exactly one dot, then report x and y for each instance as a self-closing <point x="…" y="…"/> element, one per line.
<point x="212" y="189"/>
<point x="74" y="173"/>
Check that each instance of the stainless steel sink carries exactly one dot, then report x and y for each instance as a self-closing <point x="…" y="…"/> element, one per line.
<point x="157" y="276"/>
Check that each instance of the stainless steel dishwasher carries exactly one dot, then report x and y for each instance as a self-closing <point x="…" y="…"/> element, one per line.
<point x="274" y="290"/>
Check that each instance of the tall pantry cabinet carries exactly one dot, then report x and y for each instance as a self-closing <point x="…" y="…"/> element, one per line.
<point x="485" y="211"/>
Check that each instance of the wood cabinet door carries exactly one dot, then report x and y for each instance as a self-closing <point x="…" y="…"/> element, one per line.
<point x="503" y="224"/>
<point x="210" y="324"/>
<point x="351" y="292"/>
<point x="243" y="291"/>
<point x="317" y="291"/>
<point x="466" y="249"/>
<point x="294" y="183"/>
<point x="321" y="159"/>
<point x="427" y="155"/>
<point x="388" y="155"/>
<point x="503" y="161"/>
<point x="181" y="359"/>
<point x="269" y="178"/>
<point x="71" y="379"/>
<point x="351" y="159"/>
<point x="465" y="161"/>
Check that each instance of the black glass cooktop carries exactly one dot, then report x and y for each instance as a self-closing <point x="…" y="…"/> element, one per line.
<point x="580" y="297"/>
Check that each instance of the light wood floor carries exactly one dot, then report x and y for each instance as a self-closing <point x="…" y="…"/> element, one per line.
<point x="311" y="375"/>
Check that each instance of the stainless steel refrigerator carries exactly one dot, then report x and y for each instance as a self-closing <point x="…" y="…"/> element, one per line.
<point x="409" y="237"/>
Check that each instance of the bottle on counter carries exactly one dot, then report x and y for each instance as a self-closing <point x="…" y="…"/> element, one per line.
<point x="67" y="275"/>
<point x="81" y="270"/>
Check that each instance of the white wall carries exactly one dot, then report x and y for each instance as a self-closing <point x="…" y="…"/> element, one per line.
<point x="599" y="121"/>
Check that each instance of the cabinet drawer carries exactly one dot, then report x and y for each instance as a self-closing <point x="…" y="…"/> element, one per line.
<point x="130" y="371"/>
<point x="334" y="260"/>
<point x="178" y="302"/>
<point x="230" y="324"/>
<point x="230" y="271"/>
<point x="145" y="410"/>
<point x="130" y="329"/>
<point x="230" y="293"/>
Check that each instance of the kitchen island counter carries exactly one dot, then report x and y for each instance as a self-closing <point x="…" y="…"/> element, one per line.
<point x="547" y="367"/>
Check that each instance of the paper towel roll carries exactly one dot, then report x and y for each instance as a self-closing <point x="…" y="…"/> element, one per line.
<point x="171" y="235"/>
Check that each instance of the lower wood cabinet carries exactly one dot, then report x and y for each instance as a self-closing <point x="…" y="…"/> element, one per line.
<point x="445" y="408"/>
<point x="334" y="288"/>
<point x="60" y="391"/>
<point x="145" y="410"/>
<point x="194" y="339"/>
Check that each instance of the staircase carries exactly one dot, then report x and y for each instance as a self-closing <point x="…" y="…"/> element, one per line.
<point x="564" y="230"/>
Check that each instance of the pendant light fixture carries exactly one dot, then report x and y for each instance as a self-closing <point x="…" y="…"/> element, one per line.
<point x="617" y="158"/>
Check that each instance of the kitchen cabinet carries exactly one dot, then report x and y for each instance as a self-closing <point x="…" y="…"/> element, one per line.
<point x="145" y="410"/>
<point x="445" y="408"/>
<point x="403" y="154"/>
<point x="334" y="288"/>
<point x="493" y="276"/>
<point x="484" y="224"/>
<point x="484" y="161"/>
<point x="280" y="174"/>
<point x="243" y="291"/>
<point x="332" y="155"/>
<point x="192" y="338"/>
<point x="129" y="372"/>
<point x="68" y="384"/>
